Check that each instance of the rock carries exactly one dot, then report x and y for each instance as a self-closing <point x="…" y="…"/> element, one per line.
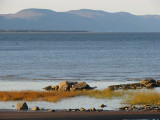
<point x="74" y="110"/>
<point x="77" y="110"/>
<point x="147" y="106"/>
<point x="92" y="109"/>
<point x="64" y="86"/>
<point x="65" y="110"/>
<point x="82" y="109"/>
<point x="143" y="82"/>
<point x="55" y="87"/>
<point x="80" y="86"/>
<point x="72" y="89"/>
<point x="88" y="110"/>
<point x="61" y="110"/>
<point x="123" y="108"/>
<point x="111" y="88"/>
<point x="99" y="110"/>
<point x="22" y="106"/>
<point x="150" y="85"/>
<point x="68" y="110"/>
<point x="116" y="87"/>
<point x="51" y="110"/>
<point x="132" y="86"/>
<point x="41" y="109"/>
<point x="138" y="85"/>
<point x="72" y="83"/>
<point x="35" y="108"/>
<point x="132" y="106"/>
<point x="141" y="108"/>
<point x="48" y="88"/>
<point x="147" y="81"/>
<point x="83" y="85"/>
<point x="67" y="85"/>
<point x="102" y="105"/>
<point x="135" y="86"/>
<point x="158" y="83"/>
<point x="156" y="108"/>
<point x="125" y="87"/>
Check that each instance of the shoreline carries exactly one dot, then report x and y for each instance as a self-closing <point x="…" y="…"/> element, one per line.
<point x="115" y="92"/>
<point x="109" y="115"/>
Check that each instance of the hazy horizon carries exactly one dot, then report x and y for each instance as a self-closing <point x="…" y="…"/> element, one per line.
<point x="136" y="7"/>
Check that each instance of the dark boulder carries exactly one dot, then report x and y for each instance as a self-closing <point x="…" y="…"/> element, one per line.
<point x="48" y="88"/>
<point x="22" y="106"/>
<point x="102" y="105"/>
<point x="55" y="87"/>
<point x="80" y="86"/>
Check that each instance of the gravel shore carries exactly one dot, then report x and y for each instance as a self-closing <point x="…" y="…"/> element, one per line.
<point x="108" y="115"/>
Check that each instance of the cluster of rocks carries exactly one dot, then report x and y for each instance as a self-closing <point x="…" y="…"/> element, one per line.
<point x="69" y="86"/>
<point x="147" y="83"/>
<point x="24" y="106"/>
<point x="153" y="108"/>
<point x="143" y="108"/>
<point x="79" y="110"/>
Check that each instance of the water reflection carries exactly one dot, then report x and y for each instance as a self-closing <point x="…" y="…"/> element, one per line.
<point x="70" y="103"/>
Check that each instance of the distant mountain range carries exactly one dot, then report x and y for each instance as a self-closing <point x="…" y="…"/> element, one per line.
<point x="83" y="20"/>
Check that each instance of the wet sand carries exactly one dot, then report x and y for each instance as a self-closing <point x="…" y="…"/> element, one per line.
<point x="109" y="115"/>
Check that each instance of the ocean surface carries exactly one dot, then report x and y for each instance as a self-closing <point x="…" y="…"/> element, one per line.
<point x="31" y="61"/>
<point x="79" y="56"/>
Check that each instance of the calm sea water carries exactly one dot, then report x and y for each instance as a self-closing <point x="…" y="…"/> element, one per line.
<point x="79" y="56"/>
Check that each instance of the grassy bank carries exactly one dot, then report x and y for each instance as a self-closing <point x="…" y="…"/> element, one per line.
<point x="36" y="95"/>
<point x="54" y="96"/>
<point x="129" y="97"/>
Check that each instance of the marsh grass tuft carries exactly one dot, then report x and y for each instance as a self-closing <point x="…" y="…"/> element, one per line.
<point x="106" y="94"/>
<point x="143" y="98"/>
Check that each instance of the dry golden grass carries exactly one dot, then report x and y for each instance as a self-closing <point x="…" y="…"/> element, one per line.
<point x="130" y="97"/>
<point x="36" y="95"/>
<point x="54" y="96"/>
<point x="105" y="94"/>
<point x="143" y="98"/>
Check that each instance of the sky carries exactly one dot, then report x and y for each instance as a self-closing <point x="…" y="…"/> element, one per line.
<point x="137" y="7"/>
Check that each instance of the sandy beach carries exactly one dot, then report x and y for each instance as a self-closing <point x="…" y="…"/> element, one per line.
<point x="109" y="115"/>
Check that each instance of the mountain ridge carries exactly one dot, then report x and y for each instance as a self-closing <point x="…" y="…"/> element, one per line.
<point x="83" y="19"/>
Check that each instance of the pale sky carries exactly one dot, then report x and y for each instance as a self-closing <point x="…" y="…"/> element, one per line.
<point x="137" y="7"/>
